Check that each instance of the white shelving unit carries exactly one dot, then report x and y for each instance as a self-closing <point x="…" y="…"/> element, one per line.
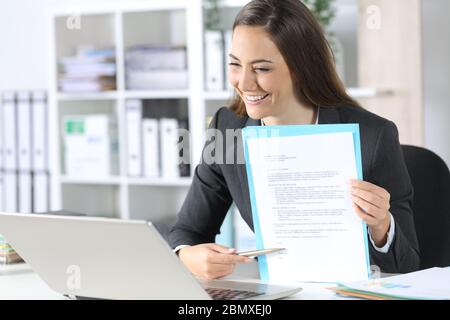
<point x="121" y="25"/>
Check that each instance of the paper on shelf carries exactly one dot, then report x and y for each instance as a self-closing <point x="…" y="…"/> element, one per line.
<point x="87" y="145"/>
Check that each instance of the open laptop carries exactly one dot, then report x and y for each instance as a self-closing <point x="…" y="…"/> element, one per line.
<point x="115" y="259"/>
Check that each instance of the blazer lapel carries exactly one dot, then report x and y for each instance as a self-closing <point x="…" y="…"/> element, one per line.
<point x="329" y="115"/>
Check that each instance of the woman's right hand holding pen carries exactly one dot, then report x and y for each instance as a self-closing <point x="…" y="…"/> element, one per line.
<point x="210" y="260"/>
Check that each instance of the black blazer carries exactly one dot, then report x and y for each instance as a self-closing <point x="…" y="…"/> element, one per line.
<point x="216" y="186"/>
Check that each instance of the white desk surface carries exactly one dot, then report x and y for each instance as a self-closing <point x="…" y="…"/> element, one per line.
<point x="310" y="291"/>
<point x="19" y="282"/>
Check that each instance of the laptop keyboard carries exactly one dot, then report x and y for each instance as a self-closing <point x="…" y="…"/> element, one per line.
<point x="231" y="294"/>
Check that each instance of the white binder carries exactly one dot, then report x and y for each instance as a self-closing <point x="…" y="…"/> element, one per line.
<point x="41" y="192"/>
<point x="169" y="148"/>
<point x="133" y="110"/>
<point x="9" y="132"/>
<point x="39" y="133"/>
<point x="24" y="131"/>
<point x="1" y="136"/>
<point x="228" y="36"/>
<point x="10" y="192"/>
<point x="150" y="128"/>
<point x="214" y="56"/>
<point x="25" y="195"/>
<point x="1" y="190"/>
<point x="1" y="155"/>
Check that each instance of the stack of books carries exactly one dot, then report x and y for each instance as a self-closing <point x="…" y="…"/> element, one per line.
<point x="156" y="67"/>
<point x="7" y="253"/>
<point x="91" y="70"/>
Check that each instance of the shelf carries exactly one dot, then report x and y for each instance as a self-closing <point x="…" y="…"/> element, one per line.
<point x="232" y="3"/>
<point x="353" y="92"/>
<point x="184" y="94"/>
<point x="160" y="182"/>
<point x="157" y="94"/>
<point x="95" y="181"/>
<point x="153" y="5"/>
<point x="107" y="95"/>
<point x="111" y="8"/>
<point x="113" y="95"/>
<point x="367" y="92"/>
<point x="218" y="95"/>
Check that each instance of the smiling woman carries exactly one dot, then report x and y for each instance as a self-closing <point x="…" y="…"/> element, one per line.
<point x="282" y="70"/>
<point x="292" y="48"/>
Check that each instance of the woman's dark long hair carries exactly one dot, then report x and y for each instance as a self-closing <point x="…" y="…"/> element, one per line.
<point x="302" y="43"/>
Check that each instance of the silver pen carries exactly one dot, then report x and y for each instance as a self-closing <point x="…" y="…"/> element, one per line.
<point x="254" y="253"/>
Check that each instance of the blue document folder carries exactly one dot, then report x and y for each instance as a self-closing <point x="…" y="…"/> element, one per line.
<point x="290" y="131"/>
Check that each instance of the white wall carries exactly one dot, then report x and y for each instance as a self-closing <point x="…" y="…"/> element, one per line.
<point x="437" y="76"/>
<point x="22" y="53"/>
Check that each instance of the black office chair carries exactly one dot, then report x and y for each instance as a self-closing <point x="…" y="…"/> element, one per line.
<point x="430" y="178"/>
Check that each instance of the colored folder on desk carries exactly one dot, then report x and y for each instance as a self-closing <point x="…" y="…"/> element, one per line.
<point x="430" y="284"/>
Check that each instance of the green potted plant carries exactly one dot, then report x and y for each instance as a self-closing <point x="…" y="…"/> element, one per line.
<point x="325" y="12"/>
<point x="212" y="16"/>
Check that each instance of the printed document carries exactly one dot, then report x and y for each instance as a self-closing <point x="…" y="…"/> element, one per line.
<point x="300" y="195"/>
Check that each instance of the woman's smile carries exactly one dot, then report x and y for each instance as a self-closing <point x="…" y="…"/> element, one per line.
<point x="255" y="100"/>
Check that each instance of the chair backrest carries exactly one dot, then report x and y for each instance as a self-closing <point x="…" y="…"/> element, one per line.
<point x="430" y="178"/>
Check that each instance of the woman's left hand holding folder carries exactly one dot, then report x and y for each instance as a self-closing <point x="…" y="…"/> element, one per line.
<point x="372" y="204"/>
